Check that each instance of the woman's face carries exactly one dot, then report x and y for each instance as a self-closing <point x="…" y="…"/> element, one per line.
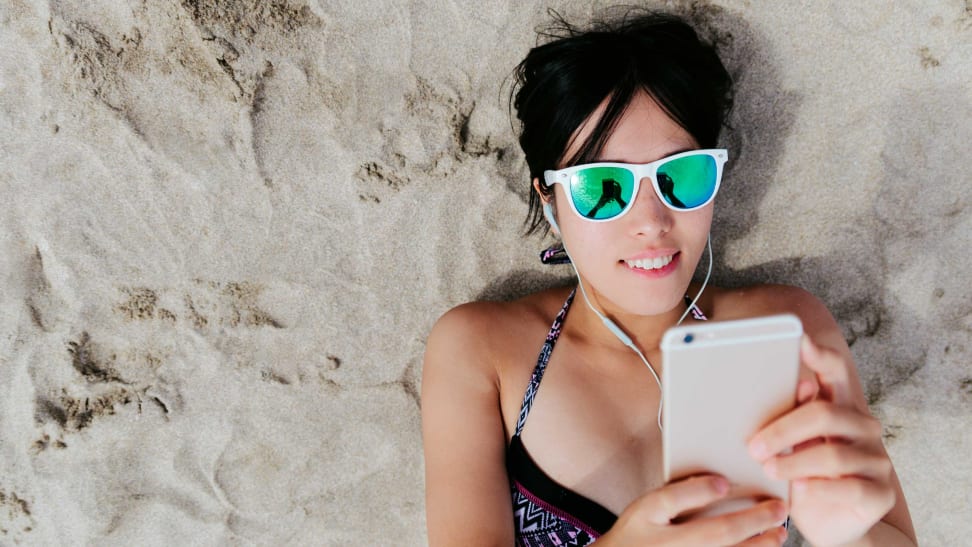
<point x="615" y="258"/>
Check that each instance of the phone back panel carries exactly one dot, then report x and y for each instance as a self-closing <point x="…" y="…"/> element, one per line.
<point x="721" y="382"/>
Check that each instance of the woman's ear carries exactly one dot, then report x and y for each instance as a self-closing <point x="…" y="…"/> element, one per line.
<point x="536" y="188"/>
<point x="547" y="205"/>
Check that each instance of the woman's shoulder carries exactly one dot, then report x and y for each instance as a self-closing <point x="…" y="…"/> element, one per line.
<point x="771" y="299"/>
<point x="491" y="329"/>
<point x="738" y="302"/>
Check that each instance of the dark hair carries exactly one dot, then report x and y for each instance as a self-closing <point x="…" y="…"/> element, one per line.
<point x="560" y="83"/>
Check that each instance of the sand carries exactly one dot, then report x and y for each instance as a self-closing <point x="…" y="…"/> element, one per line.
<point x="227" y="228"/>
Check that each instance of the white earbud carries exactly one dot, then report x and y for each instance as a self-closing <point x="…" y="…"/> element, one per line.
<point x="549" y="214"/>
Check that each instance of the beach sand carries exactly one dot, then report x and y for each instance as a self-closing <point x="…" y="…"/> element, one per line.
<point x="227" y="228"/>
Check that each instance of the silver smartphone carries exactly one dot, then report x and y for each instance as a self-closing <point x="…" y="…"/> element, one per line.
<point x="721" y="382"/>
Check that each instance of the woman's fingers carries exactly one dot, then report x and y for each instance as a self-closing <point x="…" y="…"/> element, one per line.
<point x="831" y="370"/>
<point x="812" y="420"/>
<point x="652" y="519"/>
<point x="663" y="505"/>
<point x="829" y="460"/>
<point x="774" y="537"/>
<point x="737" y="527"/>
<point x="807" y="389"/>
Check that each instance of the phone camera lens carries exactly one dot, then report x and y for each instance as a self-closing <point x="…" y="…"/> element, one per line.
<point x="688" y="338"/>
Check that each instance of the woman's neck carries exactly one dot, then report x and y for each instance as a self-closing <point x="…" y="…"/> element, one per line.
<point x="645" y="330"/>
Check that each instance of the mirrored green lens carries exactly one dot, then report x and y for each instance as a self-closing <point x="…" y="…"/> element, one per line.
<point x="688" y="181"/>
<point x="602" y="192"/>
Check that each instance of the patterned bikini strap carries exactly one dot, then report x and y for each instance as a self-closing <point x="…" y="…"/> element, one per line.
<point x="542" y="360"/>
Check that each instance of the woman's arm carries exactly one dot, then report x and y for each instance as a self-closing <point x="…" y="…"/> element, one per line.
<point x="852" y="467"/>
<point x="467" y="490"/>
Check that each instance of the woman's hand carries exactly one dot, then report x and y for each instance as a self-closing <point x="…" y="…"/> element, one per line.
<point x="841" y="475"/>
<point x="649" y="520"/>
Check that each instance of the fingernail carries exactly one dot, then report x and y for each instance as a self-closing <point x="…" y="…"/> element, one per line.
<point x="800" y="486"/>
<point x="758" y="448"/>
<point x="721" y="485"/>
<point x="807" y="346"/>
<point x="804" y="391"/>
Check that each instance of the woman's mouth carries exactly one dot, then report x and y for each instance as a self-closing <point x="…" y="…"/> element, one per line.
<point x="654" y="267"/>
<point x="650" y="263"/>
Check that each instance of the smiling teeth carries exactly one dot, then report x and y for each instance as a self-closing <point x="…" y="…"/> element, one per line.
<point x="650" y="263"/>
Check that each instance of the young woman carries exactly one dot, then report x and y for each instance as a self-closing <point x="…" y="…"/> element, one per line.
<point x="578" y="458"/>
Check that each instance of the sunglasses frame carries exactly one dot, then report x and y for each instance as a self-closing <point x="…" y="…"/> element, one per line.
<point x="640" y="171"/>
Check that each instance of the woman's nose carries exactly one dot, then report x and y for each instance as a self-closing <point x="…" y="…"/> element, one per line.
<point x="648" y="215"/>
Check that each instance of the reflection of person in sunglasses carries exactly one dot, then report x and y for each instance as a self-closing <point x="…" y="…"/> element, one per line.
<point x="667" y="187"/>
<point x="582" y="462"/>
<point x="610" y="191"/>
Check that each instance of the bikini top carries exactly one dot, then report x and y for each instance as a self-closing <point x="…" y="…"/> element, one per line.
<point x="546" y="513"/>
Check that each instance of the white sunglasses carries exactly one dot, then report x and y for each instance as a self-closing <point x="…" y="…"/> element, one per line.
<point x="604" y="191"/>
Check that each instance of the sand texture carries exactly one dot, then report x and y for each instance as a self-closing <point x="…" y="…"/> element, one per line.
<point x="227" y="228"/>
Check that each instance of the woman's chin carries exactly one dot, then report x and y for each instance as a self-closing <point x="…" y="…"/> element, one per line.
<point x="645" y="304"/>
